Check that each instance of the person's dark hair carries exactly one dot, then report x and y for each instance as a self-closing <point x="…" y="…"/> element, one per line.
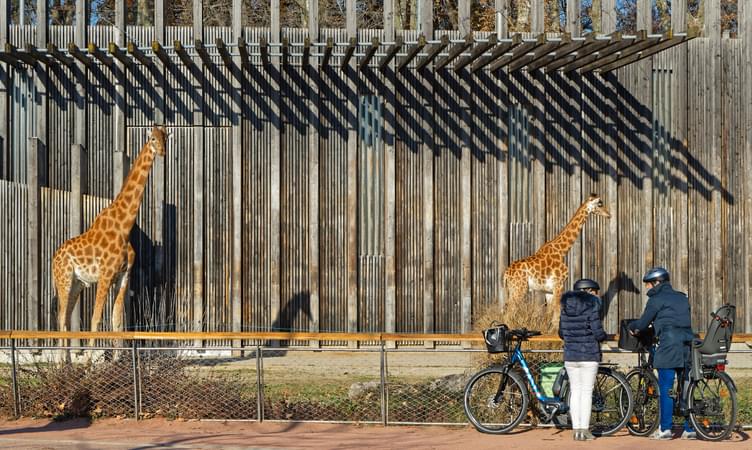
<point x="586" y="283"/>
<point x="656" y="274"/>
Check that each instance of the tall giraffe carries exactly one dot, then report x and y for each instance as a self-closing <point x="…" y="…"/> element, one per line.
<point x="545" y="270"/>
<point x="102" y="254"/>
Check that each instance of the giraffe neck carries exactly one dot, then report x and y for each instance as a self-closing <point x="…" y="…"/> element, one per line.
<point x="124" y="208"/>
<point x="563" y="242"/>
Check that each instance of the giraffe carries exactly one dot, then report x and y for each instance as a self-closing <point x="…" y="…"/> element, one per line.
<point x="102" y="254"/>
<point x="545" y="270"/>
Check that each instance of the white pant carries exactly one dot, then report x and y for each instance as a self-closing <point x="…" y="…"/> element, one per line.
<point x="581" y="381"/>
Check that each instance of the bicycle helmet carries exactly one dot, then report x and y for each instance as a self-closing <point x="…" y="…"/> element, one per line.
<point x="586" y="283"/>
<point x="656" y="274"/>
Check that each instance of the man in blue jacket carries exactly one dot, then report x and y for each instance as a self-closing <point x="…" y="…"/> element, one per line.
<point x="669" y="312"/>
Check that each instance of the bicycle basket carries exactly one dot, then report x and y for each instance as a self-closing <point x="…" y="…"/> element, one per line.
<point x="496" y="338"/>
<point x="634" y="343"/>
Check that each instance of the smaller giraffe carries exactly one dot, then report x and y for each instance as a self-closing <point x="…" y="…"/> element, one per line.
<point x="545" y="270"/>
<point x="102" y="254"/>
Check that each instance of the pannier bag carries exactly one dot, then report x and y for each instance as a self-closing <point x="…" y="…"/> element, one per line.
<point x="496" y="338"/>
<point x="634" y="343"/>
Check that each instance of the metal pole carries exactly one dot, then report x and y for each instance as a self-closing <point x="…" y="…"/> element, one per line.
<point x="14" y="380"/>
<point x="136" y="378"/>
<point x="259" y="385"/>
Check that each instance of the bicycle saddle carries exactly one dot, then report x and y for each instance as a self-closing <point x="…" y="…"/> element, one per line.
<point x="524" y="333"/>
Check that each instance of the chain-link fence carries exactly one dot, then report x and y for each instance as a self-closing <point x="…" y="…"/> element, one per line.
<point x="406" y="385"/>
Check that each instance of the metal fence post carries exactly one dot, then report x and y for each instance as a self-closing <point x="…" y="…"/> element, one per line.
<point x="14" y="380"/>
<point x="136" y="378"/>
<point x="259" y="384"/>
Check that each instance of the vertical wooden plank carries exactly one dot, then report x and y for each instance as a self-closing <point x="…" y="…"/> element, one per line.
<point x="352" y="185"/>
<point x="502" y="31"/>
<point x="502" y="12"/>
<point x="573" y="24"/>
<point x="314" y="140"/>
<point x="537" y="16"/>
<point x="119" y="151"/>
<point x="538" y="136"/>
<point x="608" y="16"/>
<point x="198" y="177"/>
<point x="715" y="268"/>
<point x="237" y="177"/>
<point x="427" y="154"/>
<point x="4" y="91"/>
<point x="40" y="82"/>
<point x="643" y="88"/>
<point x="466" y="186"/>
<point x="157" y="181"/>
<point x="274" y="172"/>
<point x="745" y="33"/>
<point x="680" y="94"/>
<point x="390" y="182"/>
<point x="33" y="245"/>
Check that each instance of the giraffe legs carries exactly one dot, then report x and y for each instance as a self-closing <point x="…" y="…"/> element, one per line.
<point x="103" y="287"/>
<point x="118" y="307"/>
<point x="68" y="288"/>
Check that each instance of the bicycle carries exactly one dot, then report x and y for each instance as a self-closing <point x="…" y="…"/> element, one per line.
<point x="706" y="395"/>
<point x="496" y="398"/>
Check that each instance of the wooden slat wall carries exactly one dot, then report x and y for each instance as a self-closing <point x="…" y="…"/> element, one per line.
<point x="682" y="207"/>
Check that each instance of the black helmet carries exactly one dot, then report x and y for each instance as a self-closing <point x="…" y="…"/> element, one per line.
<point x="656" y="274"/>
<point x="586" y="283"/>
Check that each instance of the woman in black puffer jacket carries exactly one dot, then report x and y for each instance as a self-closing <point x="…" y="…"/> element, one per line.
<point x="581" y="330"/>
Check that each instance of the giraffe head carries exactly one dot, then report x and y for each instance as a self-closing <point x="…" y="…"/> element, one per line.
<point x="158" y="140"/>
<point x="594" y="205"/>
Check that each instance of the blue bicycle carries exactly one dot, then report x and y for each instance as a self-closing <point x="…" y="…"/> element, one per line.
<point x="496" y="398"/>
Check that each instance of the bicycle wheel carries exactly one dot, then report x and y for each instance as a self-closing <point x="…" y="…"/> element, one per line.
<point x="646" y="413"/>
<point x="612" y="402"/>
<point x="712" y="406"/>
<point x="491" y="411"/>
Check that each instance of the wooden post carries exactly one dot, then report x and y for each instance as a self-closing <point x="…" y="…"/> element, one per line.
<point x="198" y="180"/>
<point x="40" y="82"/>
<point x="502" y="212"/>
<point x="274" y="188"/>
<point x="608" y="16"/>
<point x="33" y="241"/>
<point x="744" y="15"/>
<point x="573" y="24"/>
<point x="713" y="132"/>
<point x="680" y="269"/>
<point x="349" y="72"/>
<point x="158" y="168"/>
<point x="79" y="185"/>
<point x="4" y="90"/>
<point x="425" y="25"/>
<point x="466" y="164"/>
<point x="537" y="138"/>
<point x="236" y="294"/>
<point x="314" y="78"/>
<point x="80" y="123"/>
<point x="119" y="151"/>
<point x="537" y="16"/>
<point x="390" y="183"/>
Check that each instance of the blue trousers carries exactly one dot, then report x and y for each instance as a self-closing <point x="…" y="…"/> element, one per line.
<point x="665" y="383"/>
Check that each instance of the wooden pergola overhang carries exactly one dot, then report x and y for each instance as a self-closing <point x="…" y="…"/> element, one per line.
<point x="563" y="53"/>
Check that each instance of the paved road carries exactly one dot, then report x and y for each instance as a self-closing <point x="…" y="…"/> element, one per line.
<point x="115" y="434"/>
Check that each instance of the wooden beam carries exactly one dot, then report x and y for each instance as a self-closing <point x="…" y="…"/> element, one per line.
<point x="641" y="43"/>
<point x="327" y="52"/>
<point x="23" y="57"/>
<point x="306" y="58"/>
<point x="476" y="52"/>
<point x="245" y="57"/>
<point x="591" y="47"/>
<point x="349" y="51"/>
<point x="433" y="52"/>
<point x="224" y="53"/>
<point x="38" y="56"/>
<point x="455" y="51"/>
<point x="11" y="61"/>
<point x="202" y="53"/>
<point x="663" y="45"/>
<point x="119" y="54"/>
<point x="412" y="52"/>
<point x="139" y="55"/>
<point x="391" y="52"/>
<point x="185" y="58"/>
<point x="158" y="50"/>
<point x="264" y="47"/>
<point x="616" y="44"/>
<point x="369" y="53"/>
<point x="497" y="52"/>
<point x="76" y="52"/>
<point x="544" y="50"/>
<point x="99" y="55"/>
<point x="518" y="52"/>
<point x="560" y="52"/>
<point x="285" y="49"/>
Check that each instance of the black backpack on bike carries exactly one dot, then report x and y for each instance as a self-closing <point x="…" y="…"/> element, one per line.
<point x="710" y="352"/>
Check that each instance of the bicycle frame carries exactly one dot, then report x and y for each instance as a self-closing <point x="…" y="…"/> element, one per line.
<point x="516" y="357"/>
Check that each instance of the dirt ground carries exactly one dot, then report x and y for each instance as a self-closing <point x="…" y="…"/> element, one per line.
<point x="119" y="434"/>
